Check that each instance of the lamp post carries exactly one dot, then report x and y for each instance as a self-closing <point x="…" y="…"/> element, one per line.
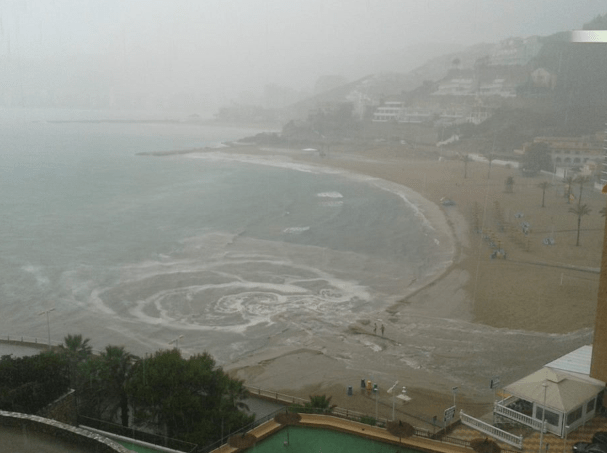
<point x="391" y="390"/>
<point x="454" y="390"/>
<point x="545" y="385"/>
<point x="48" y="324"/>
<point x="376" y="391"/>
<point x="565" y="439"/>
<point x="176" y="341"/>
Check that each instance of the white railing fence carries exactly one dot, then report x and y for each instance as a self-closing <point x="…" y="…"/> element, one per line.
<point x="499" y="434"/>
<point x="517" y="416"/>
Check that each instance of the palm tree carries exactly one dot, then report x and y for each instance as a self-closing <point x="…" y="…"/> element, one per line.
<point x="117" y="365"/>
<point x="77" y="350"/>
<point x="579" y="211"/>
<point x="490" y="157"/>
<point x="76" y="346"/>
<point x="320" y="404"/>
<point x="581" y="180"/>
<point x="544" y="185"/>
<point x="568" y="182"/>
<point x="465" y="160"/>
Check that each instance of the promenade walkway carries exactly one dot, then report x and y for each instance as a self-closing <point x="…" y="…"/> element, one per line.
<point x="531" y="444"/>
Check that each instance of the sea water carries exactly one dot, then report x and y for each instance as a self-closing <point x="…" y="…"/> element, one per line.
<point x="217" y="251"/>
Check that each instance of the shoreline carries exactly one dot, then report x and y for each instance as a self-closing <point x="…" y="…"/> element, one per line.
<point x="459" y="329"/>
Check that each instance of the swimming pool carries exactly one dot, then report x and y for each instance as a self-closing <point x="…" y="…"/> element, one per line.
<point x="298" y="439"/>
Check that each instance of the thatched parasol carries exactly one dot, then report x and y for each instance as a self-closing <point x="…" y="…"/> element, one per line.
<point x="485" y="446"/>
<point x="242" y="441"/>
<point x="287" y="418"/>
<point x="400" y="429"/>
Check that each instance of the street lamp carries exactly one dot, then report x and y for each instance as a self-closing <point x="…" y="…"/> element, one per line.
<point x="391" y="390"/>
<point x="48" y="324"/>
<point x="176" y="341"/>
<point x="545" y="385"/>
<point x="565" y="439"/>
<point x="376" y="391"/>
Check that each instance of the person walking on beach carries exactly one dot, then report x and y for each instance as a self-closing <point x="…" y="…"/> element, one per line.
<point x="382" y="330"/>
<point x="375" y="329"/>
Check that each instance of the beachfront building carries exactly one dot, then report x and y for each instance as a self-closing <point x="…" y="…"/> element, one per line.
<point x="515" y="51"/>
<point x="603" y="176"/>
<point x="561" y="395"/>
<point x="567" y="152"/>
<point x="598" y="367"/>
<point x="389" y="111"/>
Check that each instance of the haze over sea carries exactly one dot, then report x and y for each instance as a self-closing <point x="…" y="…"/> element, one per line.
<point x="138" y="250"/>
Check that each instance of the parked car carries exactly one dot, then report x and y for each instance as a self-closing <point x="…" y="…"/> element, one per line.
<point x="600" y="437"/>
<point x="587" y="447"/>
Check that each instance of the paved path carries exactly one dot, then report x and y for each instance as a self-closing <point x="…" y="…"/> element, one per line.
<point x="531" y="442"/>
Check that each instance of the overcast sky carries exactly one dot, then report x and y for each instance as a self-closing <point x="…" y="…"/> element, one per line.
<point x="233" y="45"/>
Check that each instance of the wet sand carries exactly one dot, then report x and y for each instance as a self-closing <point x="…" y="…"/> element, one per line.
<point x="481" y="318"/>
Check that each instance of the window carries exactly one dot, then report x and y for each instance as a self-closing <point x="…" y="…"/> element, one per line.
<point x="552" y="418"/>
<point x="590" y="405"/>
<point x="573" y="416"/>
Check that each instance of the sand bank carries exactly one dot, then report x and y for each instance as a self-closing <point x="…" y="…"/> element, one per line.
<point x="482" y="317"/>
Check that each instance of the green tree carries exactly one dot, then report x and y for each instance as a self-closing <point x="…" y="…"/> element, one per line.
<point x="579" y="211"/>
<point x="76" y="349"/>
<point x="490" y="158"/>
<point x="27" y="384"/>
<point x="465" y="160"/>
<point x="581" y="180"/>
<point x="190" y="398"/>
<point x="77" y="346"/>
<point x="91" y="390"/>
<point x="115" y="367"/>
<point x="509" y="184"/>
<point x="320" y="404"/>
<point x="536" y="158"/>
<point x="544" y="185"/>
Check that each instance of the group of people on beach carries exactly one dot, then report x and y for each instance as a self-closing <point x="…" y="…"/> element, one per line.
<point x="375" y="329"/>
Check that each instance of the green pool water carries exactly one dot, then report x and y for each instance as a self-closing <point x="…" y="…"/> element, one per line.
<point x="314" y="440"/>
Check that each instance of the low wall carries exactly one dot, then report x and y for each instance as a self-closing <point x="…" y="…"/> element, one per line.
<point x="62" y="409"/>
<point x="79" y="437"/>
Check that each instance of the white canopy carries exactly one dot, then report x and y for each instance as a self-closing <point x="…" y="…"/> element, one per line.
<point x="564" y="391"/>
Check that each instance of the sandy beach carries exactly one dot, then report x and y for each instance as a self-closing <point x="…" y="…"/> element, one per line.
<point x="480" y="318"/>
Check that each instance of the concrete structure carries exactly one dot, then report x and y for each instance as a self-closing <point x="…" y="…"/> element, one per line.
<point x="604" y="162"/>
<point x="598" y="365"/>
<point x="50" y="435"/>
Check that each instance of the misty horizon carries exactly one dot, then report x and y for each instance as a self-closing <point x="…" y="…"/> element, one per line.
<point x="211" y="54"/>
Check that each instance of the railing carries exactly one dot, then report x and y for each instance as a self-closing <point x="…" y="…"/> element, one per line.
<point x="517" y="416"/>
<point x="34" y="342"/>
<point x="278" y="397"/>
<point x="244" y="429"/>
<point x="287" y="399"/>
<point x="499" y="434"/>
<point x="149" y="438"/>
